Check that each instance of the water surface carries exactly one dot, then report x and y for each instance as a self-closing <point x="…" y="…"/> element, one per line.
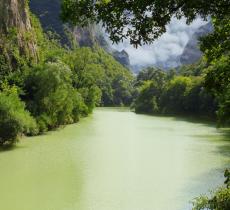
<point x="115" y="160"/>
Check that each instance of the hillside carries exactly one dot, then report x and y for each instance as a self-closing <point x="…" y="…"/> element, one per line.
<point x="48" y="12"/>
<point x="17" y="37"/>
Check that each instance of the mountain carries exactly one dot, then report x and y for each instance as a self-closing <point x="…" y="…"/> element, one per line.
<point x="192" y="53"/>
<point x="48" y="12"/>
<point x="17" y="37"/>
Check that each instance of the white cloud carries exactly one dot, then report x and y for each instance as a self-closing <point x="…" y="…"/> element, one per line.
<point x="169" y="45"/>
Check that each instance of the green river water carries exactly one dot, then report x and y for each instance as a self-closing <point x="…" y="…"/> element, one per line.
<point x="115" y="160"/>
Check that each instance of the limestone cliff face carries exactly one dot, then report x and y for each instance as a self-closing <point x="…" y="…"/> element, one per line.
<point x="48" y="11"/>
<point x="192" y="53"/>
<point x="14" y="16"/>
<point x="85" y="36"/>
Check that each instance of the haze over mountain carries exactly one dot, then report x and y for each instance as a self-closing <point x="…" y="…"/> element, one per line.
<point x="180" y="40"/>
<point x="191" y="51"/>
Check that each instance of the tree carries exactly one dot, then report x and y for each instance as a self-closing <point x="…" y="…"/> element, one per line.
<point x="14" y="119"/>
<point x="173" y="99"/>
<point x="122" y="90"/>
<point x="217" y="43"/>
<point x="152" y="74"/>
<point x="180" y="92"/>
<point x="50" y="96"/>
<point x="94" y="68"/>
<point x="148" y="98"/>
<point x="143" y="21"/>
<point x="216" y="48"/>
<point x="217" y="81"/>
<point x="220" y="199"/>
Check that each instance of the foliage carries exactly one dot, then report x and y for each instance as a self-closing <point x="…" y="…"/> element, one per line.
<point x="152" y="74"/>
<point x="50" y="96"/>
<point x="166" y="93"/>
<point x="174" y="98"/>
<point x="148" y="99"/>
<point x="218" y="82"/>
<point x="14" y="119"/>
<point x="95" y="68"/>
<point x="216" y="48"/>
<point x="141" y="21"/>
<point x="196" y="69"/>
<point x="11" y="58"/>
<point x="4" y="67"/>
<point x="219" y="200"/>
<point x="217" y="43"/>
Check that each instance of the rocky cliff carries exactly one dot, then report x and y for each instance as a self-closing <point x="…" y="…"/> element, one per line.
<point x="48" y="12"/>
<point x="192" y="53"/>
<point x="16" y="33"/>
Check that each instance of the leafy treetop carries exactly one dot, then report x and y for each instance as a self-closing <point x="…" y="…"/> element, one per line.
<point x="142" y="21"/>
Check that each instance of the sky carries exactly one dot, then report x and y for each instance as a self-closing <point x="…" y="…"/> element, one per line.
<point x="166" y="49"/>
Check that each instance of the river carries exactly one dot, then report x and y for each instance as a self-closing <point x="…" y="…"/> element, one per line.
<point x="115" y="160"/>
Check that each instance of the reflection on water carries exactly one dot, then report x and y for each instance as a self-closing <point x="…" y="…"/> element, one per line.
<point x="115" y="160"/>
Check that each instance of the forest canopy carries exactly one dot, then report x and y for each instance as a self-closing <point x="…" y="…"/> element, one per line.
<point x="142" y="21"/>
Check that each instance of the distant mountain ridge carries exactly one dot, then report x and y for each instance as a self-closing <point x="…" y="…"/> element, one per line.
<point x="192" y="53"/>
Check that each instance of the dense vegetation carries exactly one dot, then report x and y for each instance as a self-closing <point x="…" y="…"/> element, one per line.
<point x="198" y="89"/>
<point x="216" y="47"/>
<point x="202" y="89"/>
<point x="14" y="119"/>
<point x="219" y="200"/>
<point x="65" y="85"/>
<point x="174" y="92"/>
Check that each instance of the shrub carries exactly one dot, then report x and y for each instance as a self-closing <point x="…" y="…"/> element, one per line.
<point x="219" y="200"/>
<point x="14" y="119"/>
<point x="51" y="97"/>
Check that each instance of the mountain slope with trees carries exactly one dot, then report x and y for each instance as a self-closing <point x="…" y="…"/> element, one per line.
<point x="44" y="85"/>
<point x="48" y="12"/>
